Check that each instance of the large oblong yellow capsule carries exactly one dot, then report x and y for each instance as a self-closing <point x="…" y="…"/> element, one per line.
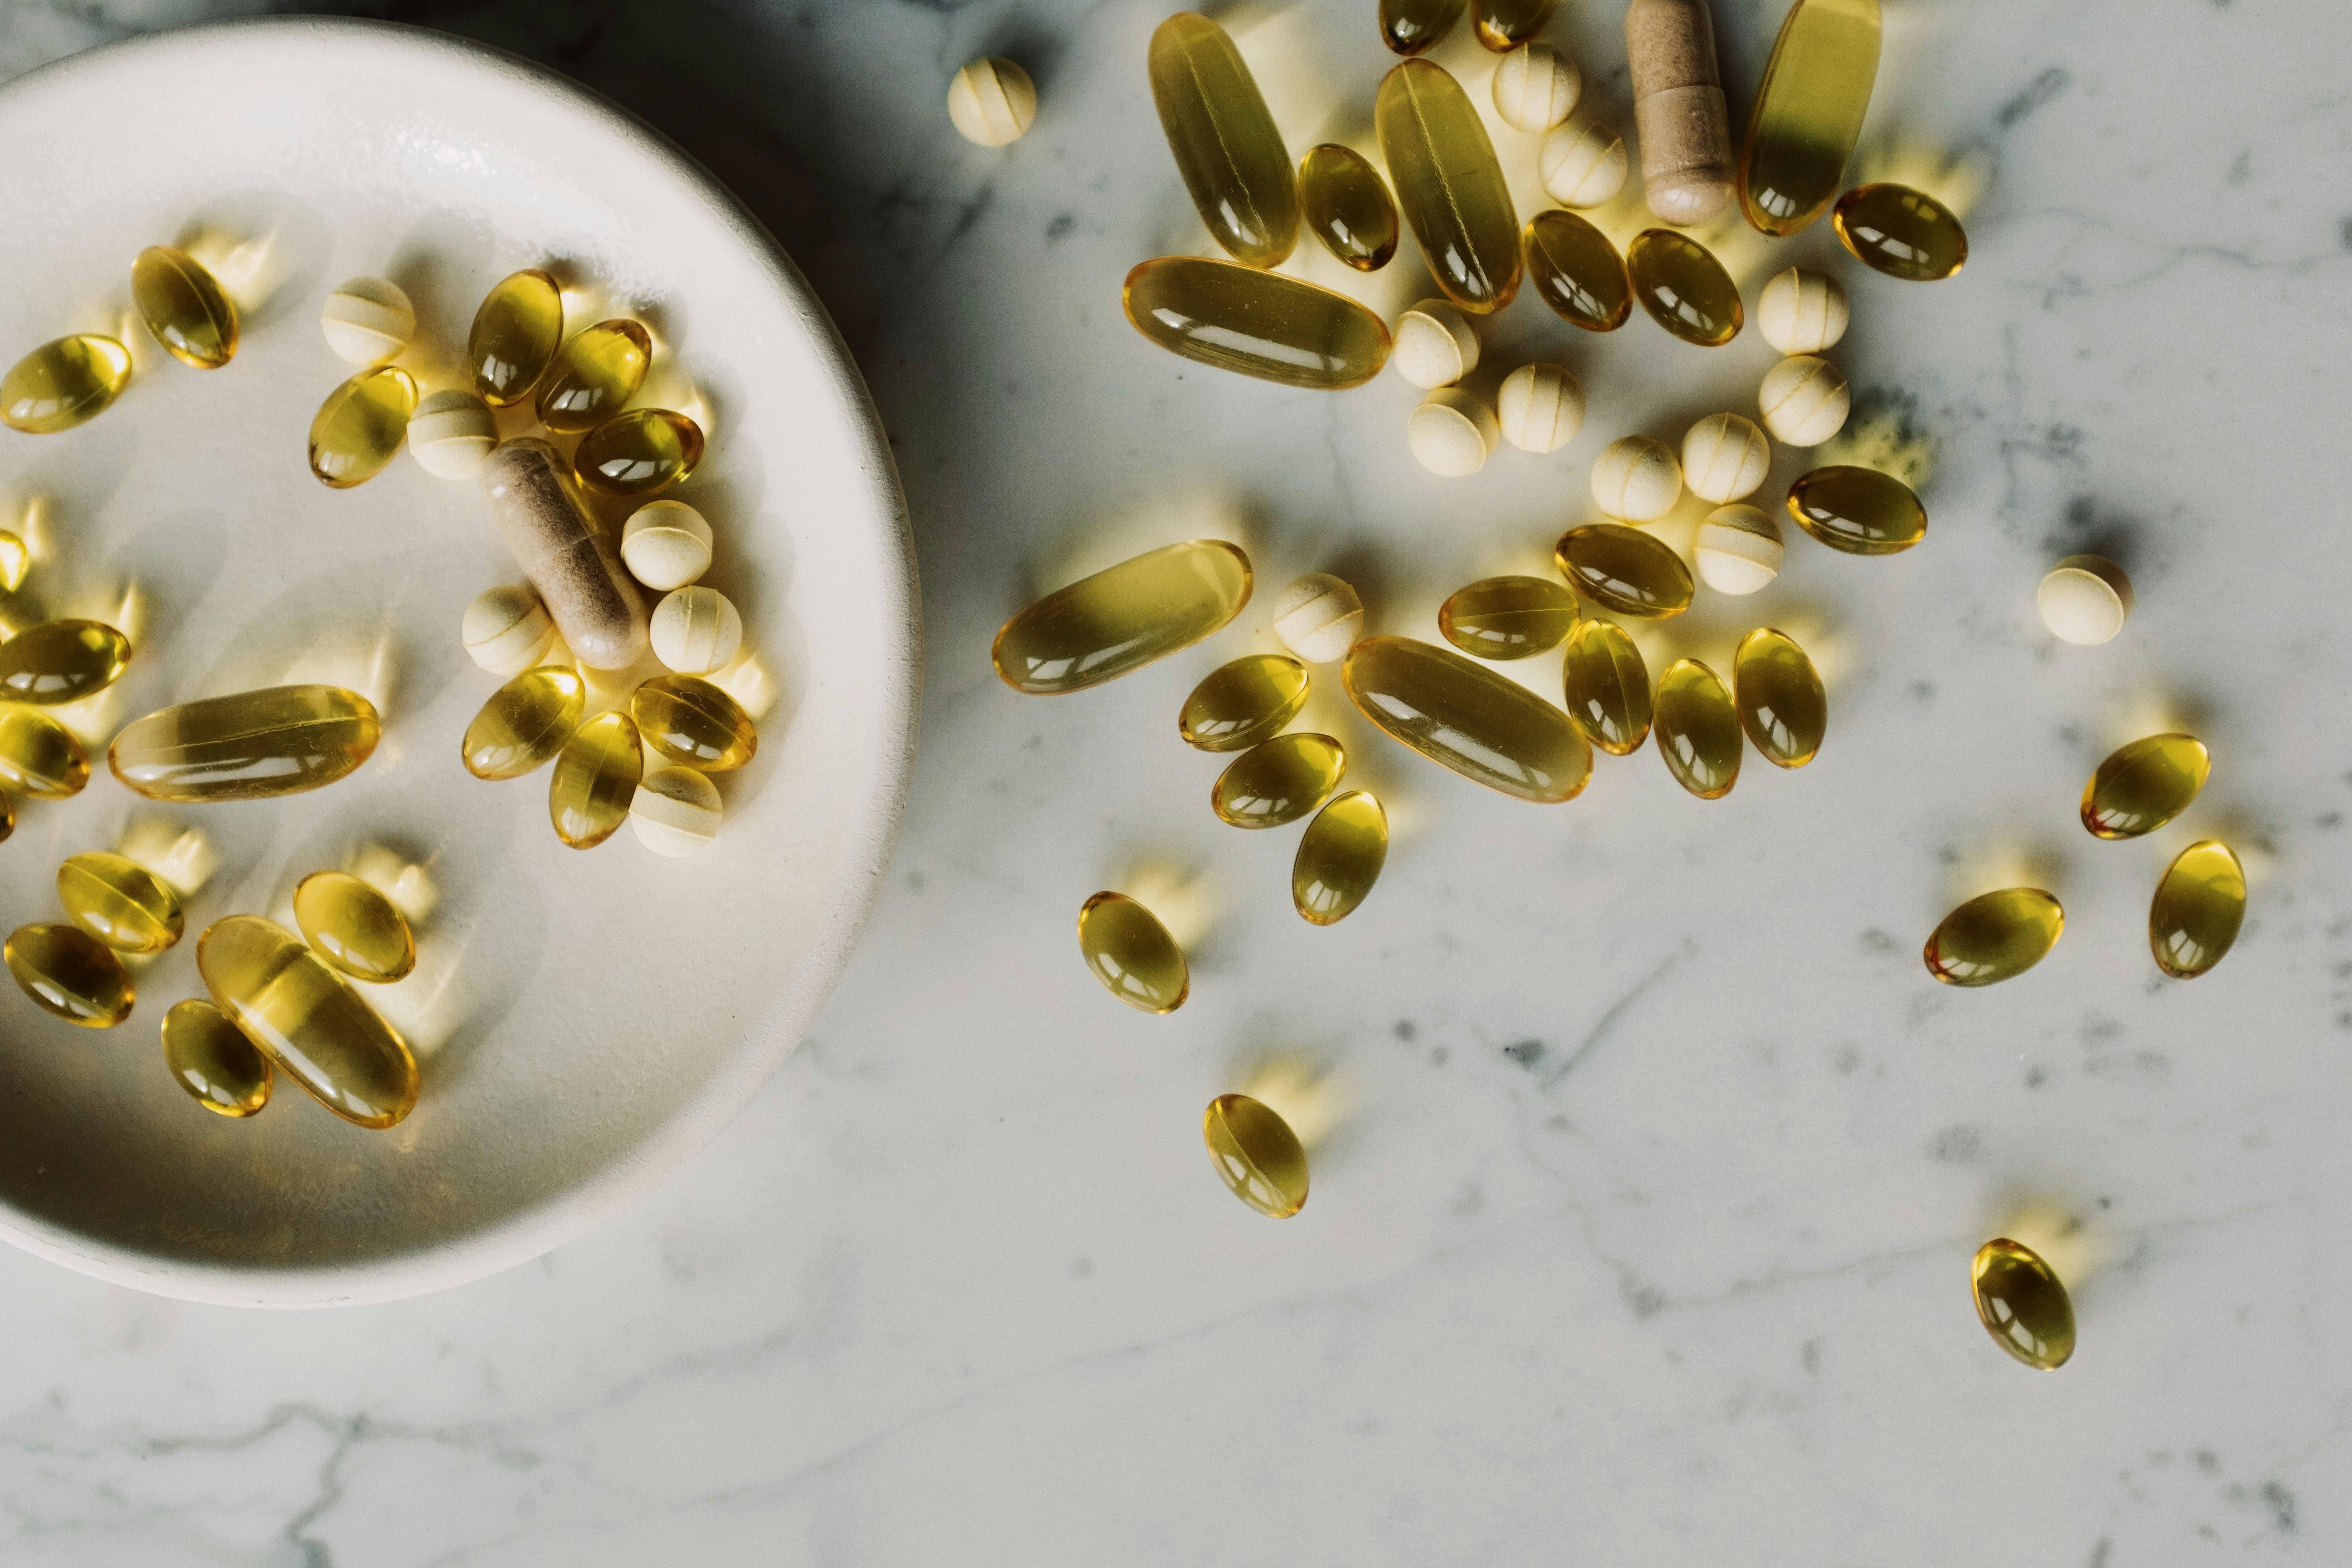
<point x="1994" y="937"/>
<point x="1507" y="617"/>
<point x="1466" y="717"/>
<point x="61" y="661"/>
<point x="1576" y="271"/>
<point x="1685" y="287"/>
<point x="211" y="1059"/>
<point x="1504" y="25"/>
<point x="2198" y="909"/>
<point x="1339" y="858"/>
<point x="256" y="745"/>
<point x="185" y="307"/>
<point x="525" y="722"/>
<point x="1240" y="703"/>
<point x="1449" y="184"/>
<point x="1624" y="570"/>
<point x="119" y="901"/>
<point x="1698" y="729"/>
<point x="1123" y="618"/>
<point x="64" y="383"/>
<point x="595" y="779"/>
<point x="1413" y="26"/>
<point x="70" y="974"/>
<point x="1901" y="231"/>
<point x="1781" y="704"/>
<point x="355" y="926"/>
<point x="308" y="1020"/>
<point x="515" y="335"/>
<point x="2143" y="785"/>
<point x="1257" y="1154"/>
<point x="1606" y="687"/>
<point x="1128" y="949"/>
<point x="1858" y="510"/>
<point x="1255" y="323"/>
<point x="361" y="426"/>
<point x="1278" y="780"/>
<point x="2022" y="1304"/>
<point x="641" y="453"/>
<point x="1808" y="113"/>
<point x="38" y="756"/>
<point x="595" y="375"/>
<point x="1225" y="142"/>
<point x="686" y="720"/>
<point x="1344" y="201"/>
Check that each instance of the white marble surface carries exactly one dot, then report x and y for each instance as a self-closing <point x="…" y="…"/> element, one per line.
<point x="1642" y="1233"/>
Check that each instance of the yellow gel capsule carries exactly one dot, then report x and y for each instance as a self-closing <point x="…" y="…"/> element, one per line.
<point x="1684" y="287"/>
<point x="2145" y="785"/>
<point x="640" y="453"/>
<point x="211" y="1059"/>
<point x="1507" y="617"/>
<point x="1347" y="205"/>
<point x="1576" y="271"/>
<point x="1449" y="184"/>
<point x="70" y="974"/>
<point x="15" y="561"/>
<point x="1257" y="1154"/>
<point x="1698" y="730"/>
<point x="686" y="720"/>
<point x="525" y="722"/>
<point x="1859" y="511"/>
<point x="61" y="661"/>
<point x="595" y="779"/>
<point x="256" y="745"/>
<point x="1606" y="687"/>
<point x="596" y="375"/>
<point x="183" y="304"/>
<point x="1339" y="858"/>
<point x="1779" y="691"/>
<point x="1238" y="705"/>
<point x="64" y="383"/>
<point x="1123" y="618"/>
<point x="1411" y="27"/>
<point x="1624" y="570"/>
<point x="1504" y="25"/>
<point x="1226" y="144"/>
<point x="1132" y="953"/>
<point x="38" y="756"/>
<point x="8" y="816"/>
<point x="1808" y="113"/>
<point x="1255" y="323"/>
<point x="1466" y="717"/>
<point x="2022" y="1305"/>
<point x="121" y="902"/>
<point x="354" y="927"/>
<point x="361" y="426"/>
<point x="1278" y="780"/>
<point x="1901" y="231"/>
<point x="1994" y="937"/>
<point x="2198" y="909"/>
<point x="515" y="336"/>
<point x="308" y="1020"/>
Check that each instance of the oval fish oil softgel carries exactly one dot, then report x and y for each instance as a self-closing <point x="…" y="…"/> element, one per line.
<point x="595" y="376"/>
<point x="1413" y="26"/>
<point x="308" y="1020"/>
<point x="1255" y="323"/>
<point x="1449" y="184"/>
<point x="1132" y="954"/>
<point x="39" y="758"/>
<point x="1347" y="205"/>
<point x="1339" y="858"/>
<point x="1240" y="703"/>
<point x="1504" y="25"/>
<point x="1226" y="143"/>
<point x="1624" y="570"/>
<point x="1901" y="231"/>
<point x="515" y="335"/>
<point x="70" y="974"/>
<point x="61" y="661"/>
<point x="686" y="720"/>
<point x="64" y="383"/>
<point x="361" y="426"/>
<point x="1507" y="617"/>
<point x="1576" y="271"/>
<point x="1781" y="704"/>
<point x="211" y="1059"/>
<point x="641" y="453"/>
<point x="2145" y="785"/>
<point x="1684" y="287"/>
<point x="185" y="307"/>
<point x="354" y="927"/>
<point x="1466" y="717"/>
<point x="1994" y="937"/>
<point x="1698" y="729"/>
<point x="1858" y="510"/>
<point x="1123" y="618"/>
<point x="1606" y="687"/>
<point x="596" y="780"/>
<point x="1257" y="1154"/>
<point x="2022" y="1305"/>
<point x="2198" y="909"/>
<point x="525" y="722"/>
<point x="121" y="902"/>
<point x="1278" y="780"/>
<point x="256" y="745"/>
<point x="1808" y="113"/>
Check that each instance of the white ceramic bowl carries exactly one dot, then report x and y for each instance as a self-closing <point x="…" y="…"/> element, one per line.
<point x="585" y="1021"/>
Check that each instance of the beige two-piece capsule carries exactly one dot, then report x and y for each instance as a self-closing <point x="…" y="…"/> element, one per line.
<point x="991" y="101"/>
<point x="1435" y="345"/>
<point x="1453" y="433"/>
<point x="1636" y="479"/>
<point x="2085" y="600"/>
<point x="1540" y="407"/>
<point x="592" y="600"/>
<point x="1679" y="115"/>
<point x="1318" y="617"/>
<point x="1804" y="401"/>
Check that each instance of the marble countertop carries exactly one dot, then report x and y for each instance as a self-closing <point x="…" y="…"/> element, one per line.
<point x="1641" y="1231"/>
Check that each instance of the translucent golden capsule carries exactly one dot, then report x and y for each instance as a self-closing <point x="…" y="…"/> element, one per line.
<point x="1994" y="937"/>
<point x="1606" y="687"/>
<point x="1503" y="25"/>
<point x="1257" y="1154"/>
<point x="15" y="561"/>
<point x="61" y="661"/>
<point x="1624" y="570"/>
<point x="256" y="745"/>
<point x="1339" y="858"/>
<point x="1411" y="27"/>
<point x="1576" y="271"/>
<point x="64" y="383"/>
<point x="1698" y="730"/>
<point x="8" y="816"/>
<point x="2145" y="785"/>
<point x="1859" y="511"/>
<point x="1779" y="692"/>
<point x="1226" y="143"/>
<point x="2198" y="909"/>
<point x="1278" y="780"/>
<point x="38" y="756"/>
<point x="1684" y="287"/>
<point x="308" y="1020"/>
<point x="2022" y="1305"/>
<point x="641" y="453"/>
<point x="121" y="902"/>
<point x="1466" y="717"/>
<point x="211" y="1059"/>
<point x="596" y="777"/>
<point x="183" y="305"/>
<point x="70" y="974"/>
<point x="1808" y="113"/>
<point x="1507" y="617"/>
<point x="595" y="375"/>
<point x="686" y="720"/>
<point x="1255" y="323"/>
<point x="515" y="335"/>
<point x="1347" y="205"/>
<point x="1123" y="618"/>
<point x="354" y="927"/>
<point x="1238" y="705"/>
<point x="525" y="722"/>
<point x="1449" y="184"/>
<point x="1132" y="953"/>
<point x="1901" y="231"/>
<point x="361" y="425"/>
